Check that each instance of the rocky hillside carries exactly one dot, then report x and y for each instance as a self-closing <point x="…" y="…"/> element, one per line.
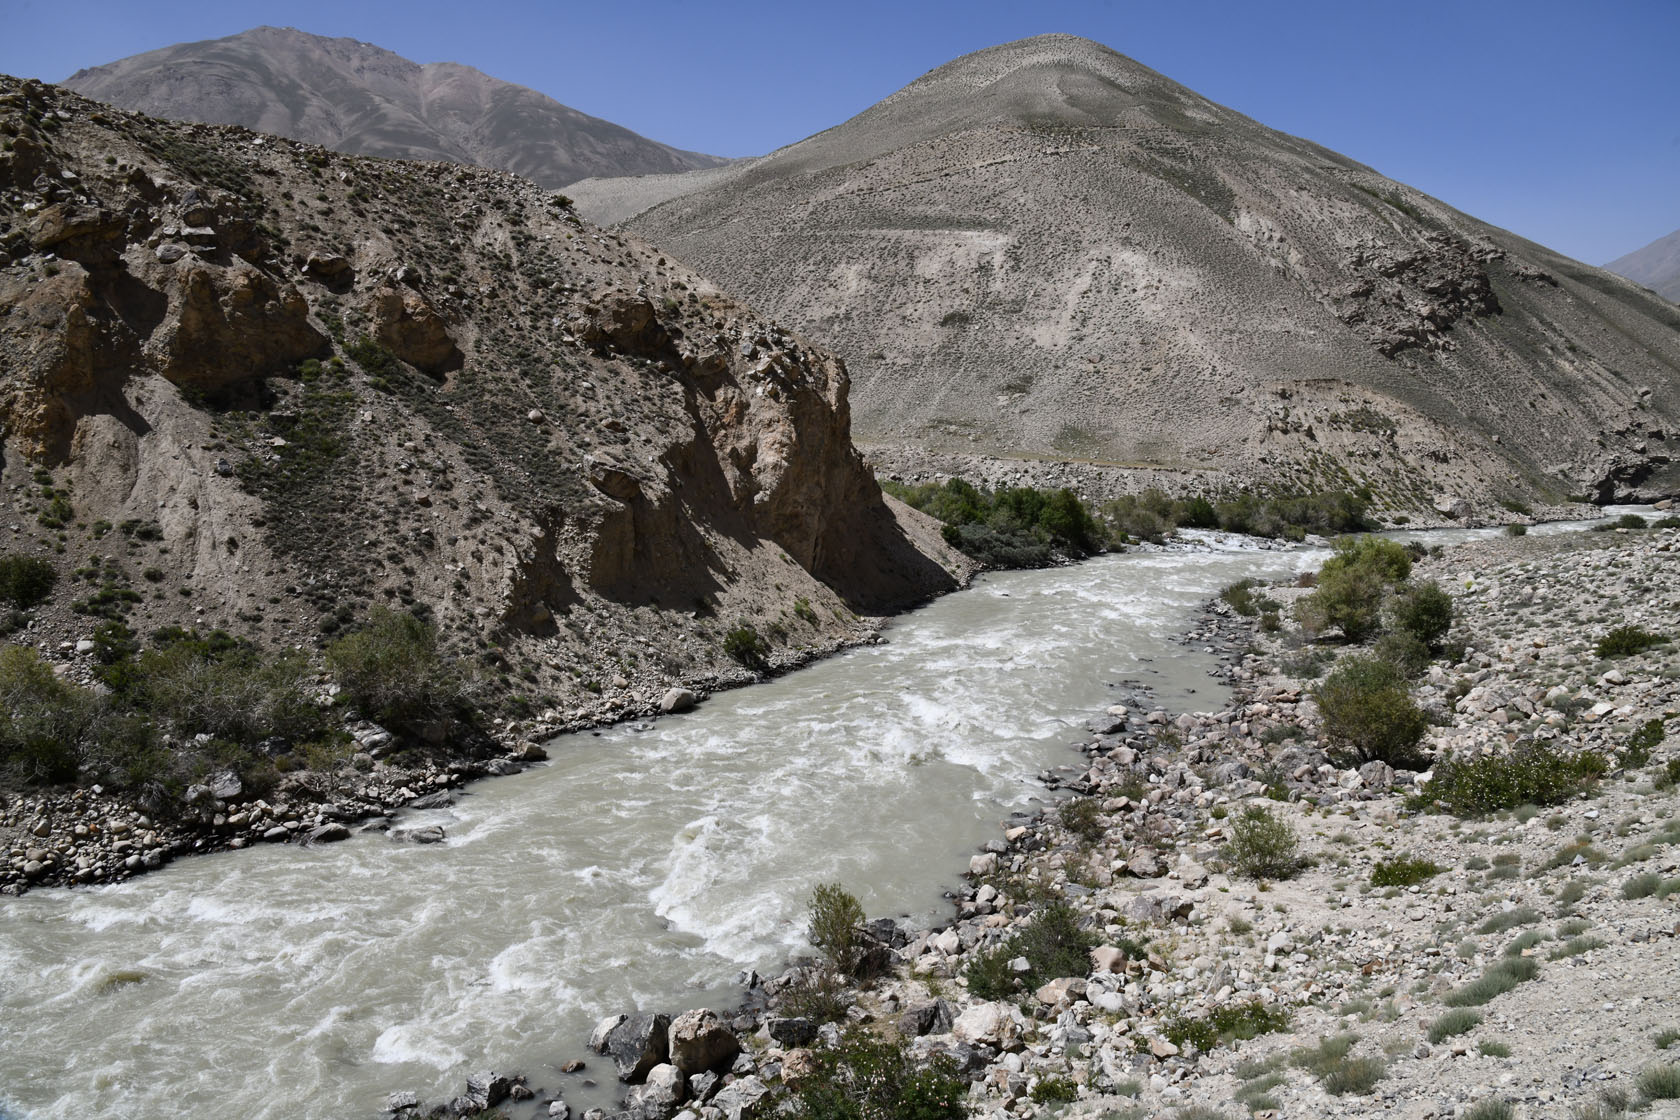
<point x="251" y="383"/>
<point x="1656" y="266"/>
<point x="1045" y="251"/>
<point x="354" y="97"/>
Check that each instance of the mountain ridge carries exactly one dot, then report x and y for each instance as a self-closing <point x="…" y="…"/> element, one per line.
<point x="1655" y="266"/>
<point x="359" y="98"/>
<point x="1046" y="251"/>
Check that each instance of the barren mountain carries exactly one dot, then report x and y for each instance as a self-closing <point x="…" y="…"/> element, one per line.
<point x="252" y="383"/>
<point x="1047" y="252"/>
<point x="1656" y="266"/>
<point x="355" y="97"/>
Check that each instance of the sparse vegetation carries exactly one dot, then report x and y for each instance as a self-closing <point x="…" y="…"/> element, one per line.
<point x="26" y="581"/>
<point x="1403" y="871"/>
<point x="1458" y="1020"/>
<point x="868" y="1077"/>
<point x="393" y="671"/>
<point x="1352" y="586"/>
<point x="1626" y="641"/>
<point x="1527" y="774"/>
<point x="747" y="646"/>
<point x="1262" y="846"/>
<point x="1499" y="978"/>
<point x="1227" y="1023"/>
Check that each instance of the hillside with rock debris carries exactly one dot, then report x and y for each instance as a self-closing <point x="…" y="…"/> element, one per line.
<point x="253" y="384"/>
<point x="1044" y="251"/>
<point x="359" y="98"/>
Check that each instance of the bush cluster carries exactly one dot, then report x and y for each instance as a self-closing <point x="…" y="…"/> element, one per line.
<point x="1352" y="585"/>
<point x="1227" y="1023"/>
<point x="1625" y="641"/>
<point x="1529" y="774"/>
<point x="1262" y="846"/>
<point x="1053" y="945"/>
<point x="1151" y="515"/>
<point x="26" y="581"/>
<point x="1368" y="711"/>
<point x="870" y="1077"/>
<point x="1015" y="527"/>
<point x="747" y="646"/>
<point x="187" y="703"/>
<point x="394" y="673"/>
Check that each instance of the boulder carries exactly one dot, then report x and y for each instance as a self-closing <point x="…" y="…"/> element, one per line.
<point x="638" y="1044"/>
<point x="678" y="700"/>
<point x="798" y="1065"/>
<point x="702" y="1086"/>
<point x="700" y="1041"/>
<point x="488" y="1088"/>
<point x="660" y="1095"/>
<point x="989" y="1024"/>
<point x="791" y="1031"/>
<point x="1377" y="775"/>
<point x="927" y="1017"/>
<point x="411" y="328"/>
<point x="1065" y="988"/>
<point x="327" y="834"/>
<point x="743" y="1100"/>
<point x="1108" y="958"/>
<point x="1145" y="863"/>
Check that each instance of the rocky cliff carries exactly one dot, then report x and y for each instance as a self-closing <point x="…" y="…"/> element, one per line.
<point x="252" y="383"/>
<point x="359" y="98"/>
<point x="1046" y="252"/>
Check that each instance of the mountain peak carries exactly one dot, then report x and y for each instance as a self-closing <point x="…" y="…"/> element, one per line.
<point x="363" y="99"/>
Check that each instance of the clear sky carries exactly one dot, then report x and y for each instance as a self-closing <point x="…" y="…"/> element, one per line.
<point x="1557" y="119"/>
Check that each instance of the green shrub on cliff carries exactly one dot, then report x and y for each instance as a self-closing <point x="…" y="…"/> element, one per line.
<point x="393" y="671"/>
<point x="26" y="581"/>
<point x="42" y="719"/>
<point x="746" y="645"/>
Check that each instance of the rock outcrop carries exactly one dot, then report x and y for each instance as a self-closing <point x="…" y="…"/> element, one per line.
<point x="306" y="383"/>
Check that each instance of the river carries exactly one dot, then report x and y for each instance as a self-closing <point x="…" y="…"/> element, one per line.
<point x="644" y="866"/>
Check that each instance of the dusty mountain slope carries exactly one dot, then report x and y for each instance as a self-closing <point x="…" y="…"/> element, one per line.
<point x="1047" y="251"/>
<point x="355" y="97"/>
<point x="583" y="459"/>
<point x="1656" y="266"/>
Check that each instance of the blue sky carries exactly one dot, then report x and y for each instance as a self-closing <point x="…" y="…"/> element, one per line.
<point x="1559" y="121"/>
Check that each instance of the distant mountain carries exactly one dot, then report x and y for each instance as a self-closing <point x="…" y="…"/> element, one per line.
<point x="1657" y="266"/>
<point x="1047" y="253"/>
<point x="358" y="98"/>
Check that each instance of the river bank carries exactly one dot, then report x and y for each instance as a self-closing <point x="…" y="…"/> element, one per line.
<point x="1189" y="946"/>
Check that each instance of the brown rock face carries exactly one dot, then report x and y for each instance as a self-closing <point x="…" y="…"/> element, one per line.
<point x="411" y="328"/>
<point x="605" y="484"/>
<point x="230" y="324"/>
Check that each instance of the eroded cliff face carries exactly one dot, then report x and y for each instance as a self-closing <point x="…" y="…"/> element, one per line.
<point x="300" y="384"/>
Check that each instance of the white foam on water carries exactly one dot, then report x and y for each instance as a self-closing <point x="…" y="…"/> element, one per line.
<point x="408" y="1043"/>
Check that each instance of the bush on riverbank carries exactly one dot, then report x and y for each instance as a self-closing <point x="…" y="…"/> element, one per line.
<point x="42" y="720"/>
<point x="871" y="1077"/>
<point x="394" y="673"/>
<point x="1053" y="945"/>
<point x="1368" y="711"/>
<point x="835" y="915"/>
<point x="1015" y="527"/>
<point x="1151" y="515"/>
<point x="1352" y="586"/>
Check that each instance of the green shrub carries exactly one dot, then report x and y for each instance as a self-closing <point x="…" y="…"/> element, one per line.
<point x="1666" y="1037"/>
<point x="1050" y="1089"/>
<point x="1642" y="886"/>
<point x="745" y="645"/>
<point x="1490" y="1109"/>
<point x="1367" y="710"/>
<point x="1240" y="597"/>
<point x="1408" y="655"/>
<point x="1352" y="585"/>
<point x="1641" y="743"/>
<point x="26" y="581"/>
<point x="1457" y="1021"/>
<point x="1262" y="846"/>
<point x="42" y="720"/>
<point x="1575" y="946"/>
<point x="1509" y="919"/>
<point x="1660" y="1083"/>
<point x="1525" y="941"/>
<point x="1403" y="871"/>
<point x="1424" y="611"/>
<point x="1082" y="817"/>
<point x="1228" y="1023"/>
<point x="1053" y="945"/>
<point x="1015" y="527"/>
<point x="1499" y="978"/>
<point x="835" y="915"/>
<point x="1516" y="529"/>
<point x="394" y="673"/>
<point x="1528" y="774"/>
<point x="869" y="1077"/>
<point x="1625" y="641"/>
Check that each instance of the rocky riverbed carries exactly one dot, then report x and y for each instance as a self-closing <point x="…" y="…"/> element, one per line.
<point x="1363" y="985"/>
